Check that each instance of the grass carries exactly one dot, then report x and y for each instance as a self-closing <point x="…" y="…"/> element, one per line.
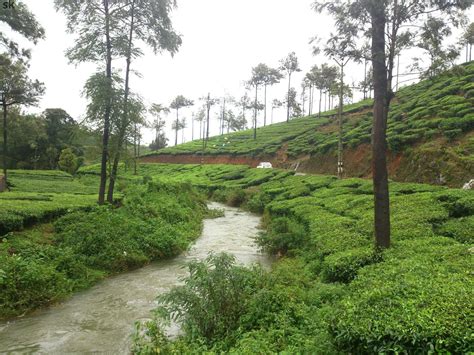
<point x="328" y="293"/>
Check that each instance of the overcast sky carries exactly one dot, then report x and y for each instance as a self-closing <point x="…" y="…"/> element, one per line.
<point x="222" y="41"/>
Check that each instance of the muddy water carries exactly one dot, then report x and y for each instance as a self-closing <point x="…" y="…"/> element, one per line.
<point x="101" y="319"/>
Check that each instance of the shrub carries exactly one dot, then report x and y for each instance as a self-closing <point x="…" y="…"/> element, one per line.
<point x="461" y="229"/>
<point x="213" y="298"/>
<point x="284" y="235"/>
<point x="343" y="266"/>
<point x="236" y="198"/>
<point x="411" y="302"/>
<point x="68" y="161"/>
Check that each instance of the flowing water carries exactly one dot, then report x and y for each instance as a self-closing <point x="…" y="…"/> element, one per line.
<point x="101" y="319"/>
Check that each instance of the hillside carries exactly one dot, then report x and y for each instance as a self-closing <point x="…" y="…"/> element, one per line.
<point x="430" y="136"/>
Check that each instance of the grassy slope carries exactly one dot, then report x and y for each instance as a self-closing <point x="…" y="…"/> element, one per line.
<point x="431" y="123"/>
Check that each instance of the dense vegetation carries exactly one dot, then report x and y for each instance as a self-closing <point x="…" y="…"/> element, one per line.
<point x="50" y="261"/>
<point x="330" y="293"/>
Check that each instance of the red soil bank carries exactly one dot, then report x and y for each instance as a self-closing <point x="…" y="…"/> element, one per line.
<point x="198" y="159"/>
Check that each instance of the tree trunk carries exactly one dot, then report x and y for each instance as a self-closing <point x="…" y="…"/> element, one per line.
<point x="5" y="145"/>
<point x="192" y="127"/>
<point x="255" y="114"/>
<point x="365" y="79"/>
<point x="176" y="128"/>
<point x="379" y="143"/>
<point x="320" y="101"/>
<point x="208" y="119"/>
<point x="108" y="108"/>
<point x="265" y="113"/>
<point x="139" y="142"/>
<point x="124" y="121"/>
<point x="340" y="162"/>
<point x="223" y="118"/>
<point x="135" y="150"/>
<point x="288" y="99"/>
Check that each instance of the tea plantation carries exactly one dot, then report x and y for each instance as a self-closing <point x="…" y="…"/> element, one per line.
<point x="37" y="196"/>
<point x="331" y="292"/>
<point x="430" y="127"/>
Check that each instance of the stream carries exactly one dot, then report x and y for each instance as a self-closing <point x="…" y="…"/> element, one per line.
<point x="101" y="319"/>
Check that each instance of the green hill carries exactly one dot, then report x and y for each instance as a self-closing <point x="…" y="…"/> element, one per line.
<point x="430" y="135"/>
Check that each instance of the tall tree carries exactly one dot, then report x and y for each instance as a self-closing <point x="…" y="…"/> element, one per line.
<point x="136" y="114"/>
<point x="292" y="103"/>
<point x="146" y="21"/>
<point x="99" y="32"/>
<point x="200" y="117"/>
<point x="341" y="48"/>
<point x="16" y="88"/>
<point x="158" y="111"/>
<point x="226" y="101"/>
<point x="20" y="20"/>
<point x="244" y="103"/>
<point x="178" y="103"/>
<point x="431" y="38"/>
<point x="270" y="77"/>
<point x="209" y="102"/>
<point x="257" y="80"/>
<point x="389" y="23"/>
<point x="289" y="65"/>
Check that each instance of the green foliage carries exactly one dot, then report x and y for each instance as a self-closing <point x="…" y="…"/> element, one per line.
<point x="68" y="161"/>
<point x="213" y="298"/>
<point x="21" y="20"/>
<point x="343" y="266"/>
<point x="416" y="301"/>
<point x="48" y="263"/>
<point x="284" y="235"/>
<point x="38" y="196"/>
<point x="461" y="229"/>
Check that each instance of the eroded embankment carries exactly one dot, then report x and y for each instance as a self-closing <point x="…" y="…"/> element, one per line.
<point x="201" y="159"/>
<point x="423" y="164"/>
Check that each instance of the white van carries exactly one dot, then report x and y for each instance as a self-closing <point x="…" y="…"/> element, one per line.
<point x="265" y="165"/>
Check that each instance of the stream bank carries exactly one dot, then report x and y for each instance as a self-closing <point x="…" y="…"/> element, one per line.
<point x="102" y="318"/>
